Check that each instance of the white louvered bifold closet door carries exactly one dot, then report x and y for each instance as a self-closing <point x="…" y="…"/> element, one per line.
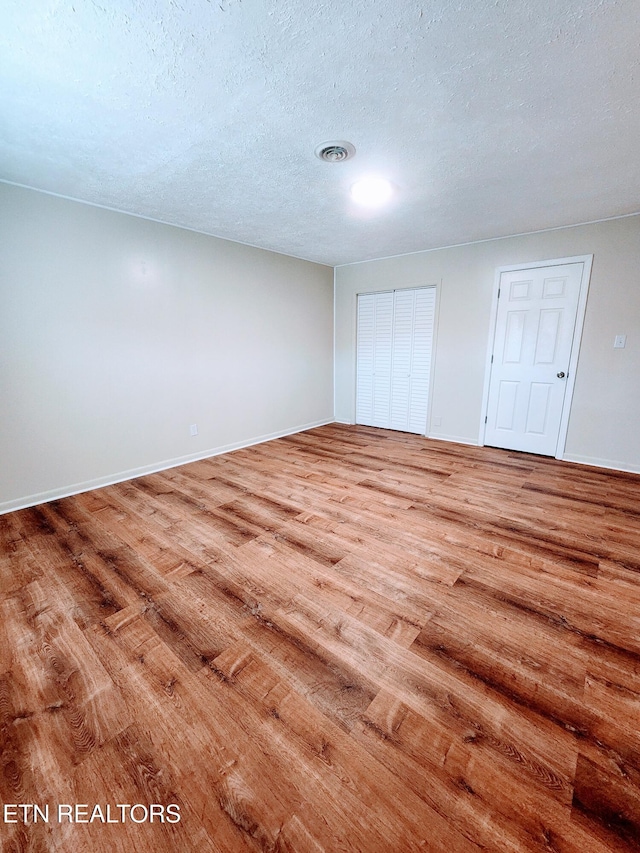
<point x="413" y="320"/>
<point x="375" y="336"/>
<point x="394" y="349"/>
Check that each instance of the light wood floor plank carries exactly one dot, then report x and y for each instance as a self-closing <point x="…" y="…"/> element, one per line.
<point x="347" y="639"/>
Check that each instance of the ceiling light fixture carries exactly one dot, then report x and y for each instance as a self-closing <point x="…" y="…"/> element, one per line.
<point x="335" y="152"/>
<point x="371" y="191"/>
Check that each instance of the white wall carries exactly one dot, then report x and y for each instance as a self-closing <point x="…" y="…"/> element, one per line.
<point x="117" y="333"/>
<point x="604" y="426"/>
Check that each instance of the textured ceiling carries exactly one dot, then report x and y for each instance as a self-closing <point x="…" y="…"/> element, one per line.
<point x="491" y="117"/>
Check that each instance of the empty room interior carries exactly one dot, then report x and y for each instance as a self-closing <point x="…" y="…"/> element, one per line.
<point x="320" y="427"/>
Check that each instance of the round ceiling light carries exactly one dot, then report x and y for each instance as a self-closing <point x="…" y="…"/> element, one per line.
<point x="335" y="152"/>
<point x="372" y="191"/>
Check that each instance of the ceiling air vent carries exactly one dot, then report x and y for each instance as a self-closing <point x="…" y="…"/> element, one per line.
<point x="335" y="152"/>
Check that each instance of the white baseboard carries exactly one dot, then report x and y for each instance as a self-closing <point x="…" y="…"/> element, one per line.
<point x="612" y="464"/>
<point x="456" y="439"/>
<point x="89" y="485"/>
<point x="122" y="476"/>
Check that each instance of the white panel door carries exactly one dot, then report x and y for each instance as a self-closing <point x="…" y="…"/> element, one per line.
<point x="535" y="325"/>
<point x="394" y="346"/>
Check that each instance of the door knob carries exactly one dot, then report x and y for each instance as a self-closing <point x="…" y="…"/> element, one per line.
<point x="560" y="375"/>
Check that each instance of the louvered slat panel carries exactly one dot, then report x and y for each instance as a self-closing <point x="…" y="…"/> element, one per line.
<point x="364" y="356"/>
<point x="382" y="358"/>
<point x="394" y="347"/>
<point x="403" y="317"/>
<point x="424" y="318"/>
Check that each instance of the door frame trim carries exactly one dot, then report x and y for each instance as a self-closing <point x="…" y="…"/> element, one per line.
<point x="587" y="261"/>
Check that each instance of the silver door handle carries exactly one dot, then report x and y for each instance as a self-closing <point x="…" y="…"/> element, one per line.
<point x="560" y="375"/>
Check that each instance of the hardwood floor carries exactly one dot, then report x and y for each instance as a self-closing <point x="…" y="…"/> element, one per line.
<point x="345" y="640"/>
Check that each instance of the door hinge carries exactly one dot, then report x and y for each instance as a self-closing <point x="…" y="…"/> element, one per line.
<point x="485" y="418"/>
<point x="492" y="359"/>
<point x="498" y="293"/>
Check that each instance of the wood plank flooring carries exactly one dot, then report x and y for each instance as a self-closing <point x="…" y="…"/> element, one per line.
<point x="345" y="640"/>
